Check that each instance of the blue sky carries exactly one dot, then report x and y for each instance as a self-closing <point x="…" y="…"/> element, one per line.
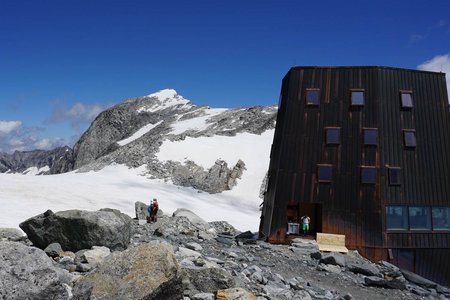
<point x="62" y="62"/>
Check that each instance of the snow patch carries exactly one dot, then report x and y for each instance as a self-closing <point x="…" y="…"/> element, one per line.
<point x="198" y="123"/>
<point x="253" y="149"/>
<point x="138" y="133"/>
<point x="35" y="171"/>
<point x="118" y="187"/>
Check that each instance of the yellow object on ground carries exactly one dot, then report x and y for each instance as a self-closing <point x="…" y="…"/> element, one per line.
<point x="331" y="242"/>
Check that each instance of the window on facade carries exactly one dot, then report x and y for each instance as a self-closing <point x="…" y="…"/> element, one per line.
<point x="312" y="97"/>
<point x="333" y="135"/>
<point x="406" y="100"/>
<point x="409" y="137"/>
<point x="368" y="175"/>
<point x="441" y="217"/>
<point x="370" y="136"/>
<point x="357" y="97"/>
<point x="419" y="218"/>
<point x="394" y="176"/>
<point x="396" y="218"/>
<point x="325" y="173"/>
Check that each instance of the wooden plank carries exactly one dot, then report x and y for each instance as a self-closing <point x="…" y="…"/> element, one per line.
<point x="331" y="242"/>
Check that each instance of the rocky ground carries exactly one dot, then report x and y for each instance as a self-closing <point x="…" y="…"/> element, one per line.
<point x="183" y="257"/>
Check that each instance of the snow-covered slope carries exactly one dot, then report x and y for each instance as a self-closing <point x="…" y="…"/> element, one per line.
<point x="162" y="146"/>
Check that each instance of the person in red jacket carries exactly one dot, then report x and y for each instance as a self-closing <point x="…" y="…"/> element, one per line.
<point x="154" y="210"/>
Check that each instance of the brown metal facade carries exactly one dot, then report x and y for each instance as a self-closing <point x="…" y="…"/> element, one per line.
<point x="345" y="205"/>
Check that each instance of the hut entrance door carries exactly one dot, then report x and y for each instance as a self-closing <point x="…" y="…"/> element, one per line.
<point x="314" y="211"/>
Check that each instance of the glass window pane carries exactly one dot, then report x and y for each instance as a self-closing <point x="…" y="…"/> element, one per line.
<point x="410" y="138"/>
<point x="441" y="218"/>
<point x="368" y="175"/>
<point x="394" y="176"/>
<point x="396" y="218"/>
<point x="312" y="97"/>
<point x="357" y="98"/>
<point x="406" y="99"/>
<point x="325" y="173"/>
<point x="419" y="218"/>
<point x="370" y="136"/>
<point x="333" y="136"/>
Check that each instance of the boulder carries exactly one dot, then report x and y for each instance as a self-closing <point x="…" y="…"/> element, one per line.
<point x="365" y="269"/>
<point x="192" y="217"/>
<point x="234" y="294"/>
<point x="11" y="234"/>
<point x="141" y="210"/>
<point x="391" y="283"/>
<point x="28" y="273"/>
<point x="333" y="258"/>
<point x="96" y="255"/>
<point x="206" y="279"/>
<point x="148" y="271"/>
<point x="53" y="250"/>
<point x="77" y="229"/>
<point x="419" y="280"/>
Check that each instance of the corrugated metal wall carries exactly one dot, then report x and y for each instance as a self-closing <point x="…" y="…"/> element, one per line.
<point x="349" y="207"/>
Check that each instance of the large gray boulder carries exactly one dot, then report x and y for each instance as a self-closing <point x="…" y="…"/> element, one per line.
<point x="148" y="271"/>
<point x="196" y="220"/>
<point x="77" y="229"/>
<point x="11" y="234"/>
<point x="28" y="273"/>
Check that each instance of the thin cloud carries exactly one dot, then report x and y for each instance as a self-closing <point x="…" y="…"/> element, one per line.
<point x="79" y="115"/>
<point x="439" y="63"/>
<point x="418" y="37"/>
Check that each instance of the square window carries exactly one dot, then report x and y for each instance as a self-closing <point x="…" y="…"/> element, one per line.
<point x="396" y="218"/>
<point x="406" y="100"/>
<point x="409" y="137"/>
<point x="325" y="173"/>
<point x="419" y="218"/>
<point x="394" y="176"/>
<point x="370" y="136"/>
<point x="333" y="135"/>
<point x="357" y="97"/>
<point x="441" y="217"/>
<point x="368" y="175"/>
<point x="312" y="97"/>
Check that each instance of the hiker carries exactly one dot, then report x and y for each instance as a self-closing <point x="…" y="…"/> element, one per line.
<point x="305" y="222"/>
<point x="154" y="210"/>
<point x="150" y="211"/>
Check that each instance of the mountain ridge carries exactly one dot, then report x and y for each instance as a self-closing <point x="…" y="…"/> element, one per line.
<point x="132" y="132"/>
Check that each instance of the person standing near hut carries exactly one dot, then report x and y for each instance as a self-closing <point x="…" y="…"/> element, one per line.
<point x="305" y="224"/>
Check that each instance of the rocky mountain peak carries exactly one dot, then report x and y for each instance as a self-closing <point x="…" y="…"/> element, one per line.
<point x="167" y="98"/>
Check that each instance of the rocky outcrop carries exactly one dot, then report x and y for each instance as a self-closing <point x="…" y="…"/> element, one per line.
<point x="27" y="273"/>
<point x="76" y="229"/>
<point x="59" y="160"/>
<point x="148" y="271"/>
<point x="198" y="266"/>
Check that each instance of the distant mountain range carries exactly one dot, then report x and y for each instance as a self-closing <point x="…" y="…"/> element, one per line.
<point x="134" y="132"/>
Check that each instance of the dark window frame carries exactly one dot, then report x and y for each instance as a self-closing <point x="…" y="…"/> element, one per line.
<point x="405" y="143"/>
<point x="318" y="173"/>
<point x="364" y="137"/>
<point x="390" y="177"/>
<point x="332" y="143"/>
<point x="368" y="168"/>
<point x="352" y="104"/>
<point x="402" y="103"/>
<point x="311" y="103"/>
